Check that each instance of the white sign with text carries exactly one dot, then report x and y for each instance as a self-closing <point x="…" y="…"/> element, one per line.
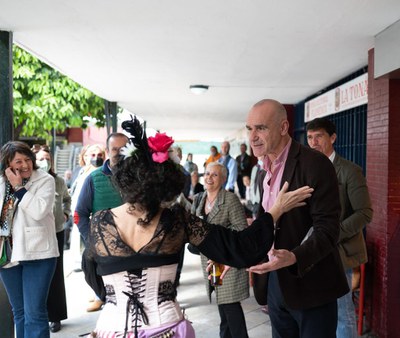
<point x="349" y="95"/>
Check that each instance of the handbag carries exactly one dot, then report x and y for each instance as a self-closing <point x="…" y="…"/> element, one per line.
<point x="5" y="251"/>
<point x="5" y="238"/>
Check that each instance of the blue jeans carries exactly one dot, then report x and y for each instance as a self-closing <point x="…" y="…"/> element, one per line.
<point x="27" y="286"/>
<point x="347" y="325"/>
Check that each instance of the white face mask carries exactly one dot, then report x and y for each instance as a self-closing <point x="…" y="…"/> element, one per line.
<point x="44" y="165"/>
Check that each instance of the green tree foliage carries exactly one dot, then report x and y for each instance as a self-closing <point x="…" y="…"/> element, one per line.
<point x="45" y="99"/>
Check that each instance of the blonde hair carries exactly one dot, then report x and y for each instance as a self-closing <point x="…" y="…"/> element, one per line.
<point x="82" y="155"/>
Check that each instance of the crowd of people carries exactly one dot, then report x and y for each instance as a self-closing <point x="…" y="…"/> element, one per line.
<point x="136" y="207"/>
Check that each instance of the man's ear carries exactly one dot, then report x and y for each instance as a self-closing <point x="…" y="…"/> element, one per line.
<point x="333" y="138"/>
<point x="284" y="127"/>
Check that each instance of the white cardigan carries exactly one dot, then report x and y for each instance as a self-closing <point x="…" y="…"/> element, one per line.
<point x="34" y="232"/>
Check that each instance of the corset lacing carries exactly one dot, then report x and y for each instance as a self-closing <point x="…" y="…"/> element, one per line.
<point x="133" y="304"/>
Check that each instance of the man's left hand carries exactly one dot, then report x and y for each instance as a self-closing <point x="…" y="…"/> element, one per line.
<point x="280" y="259"/>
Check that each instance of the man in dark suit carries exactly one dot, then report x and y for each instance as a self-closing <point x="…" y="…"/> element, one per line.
<point x="305" y="272"/>
<point x="356" y="213"/>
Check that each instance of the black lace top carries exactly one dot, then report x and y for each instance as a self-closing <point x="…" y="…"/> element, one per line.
<point x="177" y="227"/>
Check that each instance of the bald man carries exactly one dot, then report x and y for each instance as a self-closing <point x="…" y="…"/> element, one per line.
<point x="304" y="275"/>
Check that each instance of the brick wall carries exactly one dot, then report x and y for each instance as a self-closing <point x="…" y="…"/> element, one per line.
<point x="393" y="228"/>
<point x="383" y="176"/>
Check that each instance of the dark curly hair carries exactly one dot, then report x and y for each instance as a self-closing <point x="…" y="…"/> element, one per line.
<point x="147" y="186"/>
<point x="10" y="149"/>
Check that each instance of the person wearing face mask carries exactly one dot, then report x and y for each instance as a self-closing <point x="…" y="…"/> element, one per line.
<point x="27" y="197"/>
<point x="96" y="160"/>
<point x="99" y="193"/>
<point x="56" y="302"/>
<point x="91" y="156"/>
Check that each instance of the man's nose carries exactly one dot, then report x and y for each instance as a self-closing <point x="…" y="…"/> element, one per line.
<point x="314" y="142"/>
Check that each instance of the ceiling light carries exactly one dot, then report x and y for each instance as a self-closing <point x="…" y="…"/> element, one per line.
<point x="198" y="89"/>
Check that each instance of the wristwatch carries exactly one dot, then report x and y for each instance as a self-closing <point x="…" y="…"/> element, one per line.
<point x="17" y="187"/>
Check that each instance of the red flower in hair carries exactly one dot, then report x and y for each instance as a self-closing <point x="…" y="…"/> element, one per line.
<point x="159" y="146"/>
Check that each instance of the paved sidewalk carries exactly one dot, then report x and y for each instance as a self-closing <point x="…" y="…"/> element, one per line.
<point x="191" y="296"/>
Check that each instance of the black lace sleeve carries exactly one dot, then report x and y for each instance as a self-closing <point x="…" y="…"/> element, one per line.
<point x="89" y="266"/>
<point x="235" y="248"/>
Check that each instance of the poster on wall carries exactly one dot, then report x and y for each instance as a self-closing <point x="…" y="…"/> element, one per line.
<point x="349" y="95"/>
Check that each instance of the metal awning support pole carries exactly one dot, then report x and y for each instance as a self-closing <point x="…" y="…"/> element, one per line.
<point x="114" y="112"/>
<point x="6" y="134"/>
<point x="111" y="116"/>
<point x="107" y="113"/>
<point x="6" y="88"/>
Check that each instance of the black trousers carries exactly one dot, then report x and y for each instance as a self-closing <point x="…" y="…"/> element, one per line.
<point x="319" y="321"/>
<point x="57" y="301"/>
<point x="233" y="323"/>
